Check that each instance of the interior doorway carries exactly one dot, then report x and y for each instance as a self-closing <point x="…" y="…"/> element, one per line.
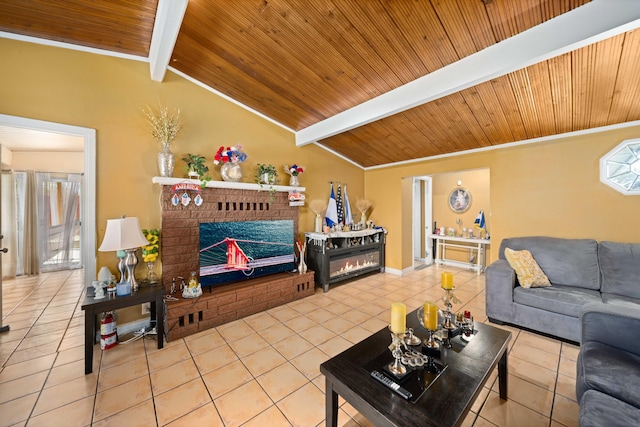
<point x="88" y="191"/>
<point x="422" y="218"/>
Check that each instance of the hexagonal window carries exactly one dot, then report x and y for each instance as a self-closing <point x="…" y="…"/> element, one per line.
<point x="620" y="167"/>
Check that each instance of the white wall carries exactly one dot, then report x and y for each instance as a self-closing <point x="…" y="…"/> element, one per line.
<point x="71" y="162"/>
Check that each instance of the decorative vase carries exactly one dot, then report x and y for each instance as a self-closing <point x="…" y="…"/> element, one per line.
<point x="152" y="277"/>
<point x="294" y="181"/>
<point x="302" y="266"/>
<point x="268" y="179"/>
<point x="166" y="161"/>
<point x="231" y="172"/>
<point x="318" y="224"/>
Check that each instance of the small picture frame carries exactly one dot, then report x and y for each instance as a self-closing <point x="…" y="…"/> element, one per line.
<point x="459" y="200"/>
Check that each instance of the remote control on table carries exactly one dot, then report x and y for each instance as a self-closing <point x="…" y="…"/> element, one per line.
<point x="391" y="384"/>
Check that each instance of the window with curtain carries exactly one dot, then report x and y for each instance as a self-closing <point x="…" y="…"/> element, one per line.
<point x="58" y="215"/>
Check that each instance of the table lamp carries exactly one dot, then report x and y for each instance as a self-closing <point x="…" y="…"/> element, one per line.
<point x="124" y="234"/>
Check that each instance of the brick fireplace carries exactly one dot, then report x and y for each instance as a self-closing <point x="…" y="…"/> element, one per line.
<point x="180" y="246"/>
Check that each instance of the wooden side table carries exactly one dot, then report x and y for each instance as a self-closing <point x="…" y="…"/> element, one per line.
<point x="91" y="307"/>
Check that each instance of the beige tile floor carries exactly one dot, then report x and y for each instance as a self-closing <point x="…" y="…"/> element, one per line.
<point x="259" y="371"/>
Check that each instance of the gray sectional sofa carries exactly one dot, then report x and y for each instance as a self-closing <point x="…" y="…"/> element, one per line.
<point x="594" y="300"/>
<point x="608" y="367"/>
<point x="581" y="271"/>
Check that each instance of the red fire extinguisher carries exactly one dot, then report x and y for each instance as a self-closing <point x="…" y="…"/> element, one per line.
<point x="108" y="331"/>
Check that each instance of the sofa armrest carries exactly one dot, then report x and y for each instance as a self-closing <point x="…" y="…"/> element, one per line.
<point x="611" y="324"/>
<point x="499" y="283"/>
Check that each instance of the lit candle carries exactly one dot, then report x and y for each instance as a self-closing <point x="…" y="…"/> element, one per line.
<point x="430" y="316"/>
<point x="398" y="318"/>
<point x="447" y="280"/>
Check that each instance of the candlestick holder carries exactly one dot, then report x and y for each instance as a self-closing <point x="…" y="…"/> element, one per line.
<point x="410" y="338"/>
<point x="449" y="299"/>
<point x="396" y="367"/>
<point x="431" y="348"/>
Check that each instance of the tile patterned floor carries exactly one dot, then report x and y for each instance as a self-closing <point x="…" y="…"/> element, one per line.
<point x="259" y="371"/>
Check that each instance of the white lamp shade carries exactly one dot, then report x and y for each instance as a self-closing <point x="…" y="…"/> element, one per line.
<point x="122" y="233"/>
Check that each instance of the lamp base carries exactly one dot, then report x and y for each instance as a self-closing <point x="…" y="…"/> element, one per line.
<point x="131" y="261"/>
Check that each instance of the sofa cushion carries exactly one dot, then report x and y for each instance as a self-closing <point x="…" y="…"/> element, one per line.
<point x="598" y="409"/>
<point x="570" y="262"/>
<point x="529" y="273"/>
<point x="565" y="300"/>
<point x="609" y="370"/>
<point x="620" y="267"/>
<point x="620" y="300"/>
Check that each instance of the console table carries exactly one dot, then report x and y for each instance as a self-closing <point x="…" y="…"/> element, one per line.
<point x="92" y="306"/>
<point x="477" y="245"/>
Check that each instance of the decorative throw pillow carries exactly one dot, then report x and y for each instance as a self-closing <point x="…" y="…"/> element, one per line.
<point x="530" y="275"/>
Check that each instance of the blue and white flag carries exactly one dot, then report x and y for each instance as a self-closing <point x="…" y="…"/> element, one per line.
<point x="479" y="222"/>
<point x="331" y="217"/>
<point x="339" y="206"/>
<point x="348" y="219"/>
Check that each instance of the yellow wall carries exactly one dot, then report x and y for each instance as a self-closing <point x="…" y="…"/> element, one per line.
<point x="548" y="188"/>
<point x="108" y="94"/>
<point x="477" y="183"/>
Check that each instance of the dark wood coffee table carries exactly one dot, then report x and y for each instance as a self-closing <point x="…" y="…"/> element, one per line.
<point x="445" y="402"/>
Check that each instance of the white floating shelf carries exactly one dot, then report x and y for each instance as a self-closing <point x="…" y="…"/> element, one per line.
<point x="227" y="184"/>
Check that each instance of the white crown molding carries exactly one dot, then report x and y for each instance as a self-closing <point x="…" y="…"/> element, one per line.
<point x="228" y="98"/>
<point x="71" y="46"/>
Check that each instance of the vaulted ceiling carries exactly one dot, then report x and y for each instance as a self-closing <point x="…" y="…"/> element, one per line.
<point x="377" y="81"/>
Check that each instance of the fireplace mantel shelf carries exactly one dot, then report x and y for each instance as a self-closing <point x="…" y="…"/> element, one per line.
<point x="229" y="185"/>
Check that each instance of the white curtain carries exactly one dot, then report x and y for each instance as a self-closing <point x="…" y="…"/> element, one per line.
<point x="29" y="248"/>
<point x="9" y="230"/>
<point x="58" y="205"/>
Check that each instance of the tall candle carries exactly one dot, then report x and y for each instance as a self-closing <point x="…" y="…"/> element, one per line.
<point x="430" y="316"/>
<point x="398" y="318"/>
<point x="447" y="280"/>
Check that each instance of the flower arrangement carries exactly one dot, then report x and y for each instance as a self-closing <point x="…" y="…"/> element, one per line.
<point x="318" y="207"/>
<point x="165" y="124"/>
<point x="230" y="155"/>
<point x="150" y="251"/>
<point x="363" y="206"/>
<point x="294" y="170"/>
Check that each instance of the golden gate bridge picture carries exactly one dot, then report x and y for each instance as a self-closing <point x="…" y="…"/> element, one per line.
<point x="231" y="251"/>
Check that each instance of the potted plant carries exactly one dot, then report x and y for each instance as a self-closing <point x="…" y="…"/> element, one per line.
<point x="196" y="167"/>
<point x="266" y="174"/>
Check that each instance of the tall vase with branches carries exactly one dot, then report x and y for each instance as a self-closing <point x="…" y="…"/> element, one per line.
<point x="165" y="125"/>
<point x="318" y="207"/>
<point x="363" y="206"/>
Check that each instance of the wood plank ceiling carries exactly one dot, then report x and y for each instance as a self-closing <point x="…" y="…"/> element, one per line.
<point x="301" y="62"/>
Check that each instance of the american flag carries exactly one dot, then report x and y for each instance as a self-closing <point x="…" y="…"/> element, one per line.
<point x="339" y="206"/>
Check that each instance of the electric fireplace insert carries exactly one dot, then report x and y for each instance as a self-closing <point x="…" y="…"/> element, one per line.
<point x="339" y="256"/>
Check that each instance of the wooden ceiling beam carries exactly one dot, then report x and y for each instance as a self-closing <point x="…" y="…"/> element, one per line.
<point x="166" y="27"/>
<point x="585" y="25"/>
